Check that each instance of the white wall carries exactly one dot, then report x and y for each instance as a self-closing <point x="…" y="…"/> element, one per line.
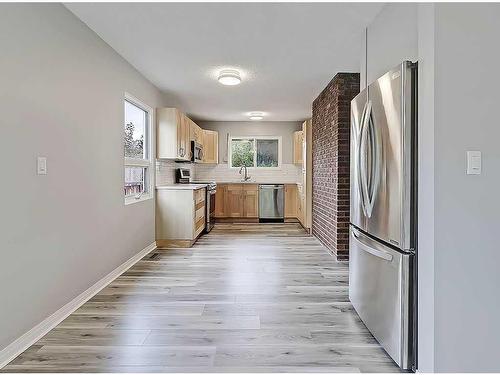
<point x="61" y="96"/>
<point x="467" y="251"/>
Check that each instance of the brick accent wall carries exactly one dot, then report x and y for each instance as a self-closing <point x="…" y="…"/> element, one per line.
<point x="330" y="156"/>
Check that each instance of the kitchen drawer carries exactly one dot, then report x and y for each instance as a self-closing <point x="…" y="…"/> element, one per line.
<point x="199" y="213"/>
<point x="199" y="226"/>
<point x="199" y="196"/>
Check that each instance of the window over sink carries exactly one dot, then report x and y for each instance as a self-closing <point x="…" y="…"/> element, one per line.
<point x="137" y="150"/>
<point x="254" y="152"/>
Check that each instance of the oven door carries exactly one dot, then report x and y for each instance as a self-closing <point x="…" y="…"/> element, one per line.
<point x="210" y="214"/>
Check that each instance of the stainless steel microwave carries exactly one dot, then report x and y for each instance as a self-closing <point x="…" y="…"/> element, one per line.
<point x="196" y="152"/>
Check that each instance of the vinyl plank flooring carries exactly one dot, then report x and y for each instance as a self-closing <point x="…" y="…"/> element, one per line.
<point x="161" y="322"/>
<point x="94" y="337"/>
<point x="110" y="356"/>
<point x="245" y="298"/>
<point x="296" y="355"/>
<point x="114" y="309"/>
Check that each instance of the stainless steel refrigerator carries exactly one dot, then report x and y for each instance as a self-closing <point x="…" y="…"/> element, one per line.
<point x="382" y="238"/>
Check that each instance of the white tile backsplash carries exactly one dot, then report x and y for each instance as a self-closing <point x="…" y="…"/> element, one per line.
<point x="165" y="171"/>
<point x="288" y="173"/>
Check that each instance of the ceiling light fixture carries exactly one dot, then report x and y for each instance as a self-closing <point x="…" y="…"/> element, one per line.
<point x="256" y="116"/>
<point x="229" y="77"/>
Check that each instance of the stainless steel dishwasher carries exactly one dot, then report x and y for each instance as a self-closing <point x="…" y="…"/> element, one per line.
<point x="271" y="203"/>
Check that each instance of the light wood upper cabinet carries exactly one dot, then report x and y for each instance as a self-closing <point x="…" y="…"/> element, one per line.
<point x="175" y="131"/>
<point x="298" y="138"/>
<point x="251" y="201"/>
<point x="173" y="134"/>
<point x="234" y="200"/>
<point x="210" y="147"/>
<point x="290" y="200"/>
<point x="196" y="132"/>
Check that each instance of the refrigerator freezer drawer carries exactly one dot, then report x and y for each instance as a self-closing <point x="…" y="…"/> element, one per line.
<point x="379" y="289"/>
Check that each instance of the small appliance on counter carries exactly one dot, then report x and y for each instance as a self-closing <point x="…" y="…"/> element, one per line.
<point x="182" y="176"/>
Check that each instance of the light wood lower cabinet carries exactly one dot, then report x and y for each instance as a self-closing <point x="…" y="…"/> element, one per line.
<point x="220" y="200"/>
<point x="295" y="202"/>
<point x="251" y="201"/>
<point x="300" y="204"/>
<point x="242" y="201"/>
<point x="290" y="201"/>
<point x="180" y="216"/>
<point x="234" y="201"/>
<point x="237" y="201"/>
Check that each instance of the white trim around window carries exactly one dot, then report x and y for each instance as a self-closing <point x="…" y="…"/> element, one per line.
<point x="147" y="161"/>
<point x="255" y="138"/>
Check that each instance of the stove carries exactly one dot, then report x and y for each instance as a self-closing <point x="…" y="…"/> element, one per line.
<point x="211" y="185"/>
<point x="210" y="203"/>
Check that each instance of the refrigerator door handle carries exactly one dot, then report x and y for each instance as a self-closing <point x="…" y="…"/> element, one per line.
<point x="375" y="149"/>
<point x="376" y="252"/>
<point x="362" y="160"/>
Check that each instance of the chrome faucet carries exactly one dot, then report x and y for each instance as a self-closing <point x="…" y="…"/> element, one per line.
<point x="246" y="176"/>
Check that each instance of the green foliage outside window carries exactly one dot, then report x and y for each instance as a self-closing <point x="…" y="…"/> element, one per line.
<point x="261" y="153"/>
<point x="267" y="153"/>
<point x="242" y="152"/>
<point x="134" y="148"/>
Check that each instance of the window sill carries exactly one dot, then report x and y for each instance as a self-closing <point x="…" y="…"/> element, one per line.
<point x="279" y="167"/>
<point x="132" y="200"/>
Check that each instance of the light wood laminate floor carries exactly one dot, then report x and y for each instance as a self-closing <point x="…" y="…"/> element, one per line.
<point x="245" y="298"/>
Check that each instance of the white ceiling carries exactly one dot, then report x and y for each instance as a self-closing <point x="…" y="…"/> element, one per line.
<point x="287" y="52"/>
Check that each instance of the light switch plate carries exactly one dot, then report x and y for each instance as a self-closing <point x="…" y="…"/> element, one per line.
<point x="41" y="165"/>
<point x="474" y="162"/>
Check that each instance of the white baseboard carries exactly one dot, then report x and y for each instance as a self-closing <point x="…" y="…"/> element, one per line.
<point x="18" y="346"/>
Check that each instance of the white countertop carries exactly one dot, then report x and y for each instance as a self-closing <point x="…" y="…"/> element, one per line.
<point x="181" y="187"/>
<point x="258" y="183"/>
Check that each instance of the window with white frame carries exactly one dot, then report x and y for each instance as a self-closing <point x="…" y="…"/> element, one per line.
<point x="137" y="150"/>
<point x="254" y="152"/>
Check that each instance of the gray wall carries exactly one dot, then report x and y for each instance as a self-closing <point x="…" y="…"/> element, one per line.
<point x="459" y="305"/>
<point x="467" y="252"/>
<point x="426" y="116"/>
<point x="284" y="129"/>
<point x="61" y="96"/>
<point x="392" y="38"/>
